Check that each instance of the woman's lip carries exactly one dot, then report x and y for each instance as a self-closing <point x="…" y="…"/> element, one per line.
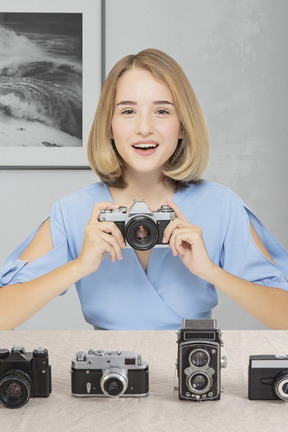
<point x="145" y="142"/>
<point x="143" y="152"/>
<point x="149" y="150"/>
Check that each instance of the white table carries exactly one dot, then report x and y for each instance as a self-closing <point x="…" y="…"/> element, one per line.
<point x="161" y="410"/>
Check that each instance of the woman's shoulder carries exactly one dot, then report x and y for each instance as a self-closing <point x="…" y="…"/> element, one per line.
<point x="95" y="192"/>
<point x="205" y="188"/>
<point x="209" y="197"/>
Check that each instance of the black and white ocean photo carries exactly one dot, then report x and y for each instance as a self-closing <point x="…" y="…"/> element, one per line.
<point x="40" y="80"/>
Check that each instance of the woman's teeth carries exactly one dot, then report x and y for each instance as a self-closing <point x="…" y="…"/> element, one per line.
<point x="144" y="146"/>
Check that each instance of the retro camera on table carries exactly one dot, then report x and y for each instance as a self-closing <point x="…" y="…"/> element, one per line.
<point x="109" y="373"/>
<point x="268" y="377"/>
<point x="199" y="360"/>
<point x="141" y="228"/>
<point x="23" y="375"/>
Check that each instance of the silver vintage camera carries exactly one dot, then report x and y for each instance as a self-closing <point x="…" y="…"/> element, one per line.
<point x="109" y="373"/>
<point x="141" y="228"/>
<point x="199" y="360"/>
<point x="268" y="377"/>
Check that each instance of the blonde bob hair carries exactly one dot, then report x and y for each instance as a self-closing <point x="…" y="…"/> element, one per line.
<point x="191" y="155"/>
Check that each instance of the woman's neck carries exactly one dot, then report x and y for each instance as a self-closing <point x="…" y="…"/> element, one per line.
<point x="151" y="188"/>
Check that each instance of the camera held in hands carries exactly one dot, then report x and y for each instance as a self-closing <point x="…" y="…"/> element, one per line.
<point x="23" y="375"/>
<point x="268" y="377"/>
<point x="109" y="373"/>
<point x="141" y="228"/>
<point x="199" y="360"/>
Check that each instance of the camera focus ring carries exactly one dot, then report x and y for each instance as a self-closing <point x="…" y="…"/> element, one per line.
<point x="15" y="389"/>
<point x="114" y="382"/>
<point x="199" y="357"/>
<point x="141" y="232"/>
<point x="281" y="387"/>
<point x="199" y="382"/>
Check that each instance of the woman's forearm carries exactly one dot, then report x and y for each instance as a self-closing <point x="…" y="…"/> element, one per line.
<point x="267" y="304"/>
<point x="20" y="302"/>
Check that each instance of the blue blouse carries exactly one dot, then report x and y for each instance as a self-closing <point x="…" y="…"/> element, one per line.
<point x="121" y="295"/>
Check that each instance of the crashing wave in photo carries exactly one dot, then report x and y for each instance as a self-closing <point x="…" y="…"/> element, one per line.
<point x="40" y="80"/>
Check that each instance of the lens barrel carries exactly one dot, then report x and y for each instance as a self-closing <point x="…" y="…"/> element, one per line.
<point x="281" y="386"/>
<point x="15" y="389"/>
<point x="199" y="383"/>
<point x="141" y="232"/>
<point x="114" y="382"/>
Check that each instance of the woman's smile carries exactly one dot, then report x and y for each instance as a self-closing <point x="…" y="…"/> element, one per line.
<point x="145" y="147"/>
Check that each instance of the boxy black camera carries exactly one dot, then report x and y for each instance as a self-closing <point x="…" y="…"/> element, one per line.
<point x="23" y="375"/>
<point x="268" y="377"/>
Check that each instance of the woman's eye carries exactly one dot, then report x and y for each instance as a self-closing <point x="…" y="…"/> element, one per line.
<point x="128" y="111"/>
<point x="162" y="112"/>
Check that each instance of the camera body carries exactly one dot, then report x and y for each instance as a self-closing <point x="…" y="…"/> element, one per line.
<point x="268" y="377"/>
<point x="109" y="373"/>
<point x="23" y="375"/>
<point x="199" y="360"/>
<point x="141" y="228"/>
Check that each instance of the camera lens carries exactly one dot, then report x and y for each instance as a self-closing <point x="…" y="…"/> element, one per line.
<point x="199" y="357"/>
<point x="199" y="383"/>
<point x="15" y="389"/>
<point x="113" y="387"/>
<point x="281" y="386"/>
<point x="114" y="382"/>
<point x="141" y="232"/>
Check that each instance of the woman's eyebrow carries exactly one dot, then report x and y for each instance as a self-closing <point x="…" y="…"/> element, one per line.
<point x="162" y="102"/>
<point x="126" y="102"/>
<point x="157" y="102"/>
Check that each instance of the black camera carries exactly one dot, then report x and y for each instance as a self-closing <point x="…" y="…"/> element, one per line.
<point x="268" y="377"/>
<point x="23" y="375"/>
<point x="140" y="227"/>
<point x="199" y="360"/>
<point x="109" y="373"/>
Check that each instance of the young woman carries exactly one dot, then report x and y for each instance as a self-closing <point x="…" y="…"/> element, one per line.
<point x="149" y="141"/>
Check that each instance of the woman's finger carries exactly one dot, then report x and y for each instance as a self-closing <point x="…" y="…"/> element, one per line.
<point x="172" y="226"/>
<point x="184" y="235"/>
<point x="98" y="207"/>
<point x="176" y="209"/>
<point x="114" y="248"/>
<point x="111" y="228"/>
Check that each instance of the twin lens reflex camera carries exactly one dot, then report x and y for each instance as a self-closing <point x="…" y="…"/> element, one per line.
<point x="268" y="377"/>
<point x="199" y="360"/>
<point x="23" y="375"/>
<point x="109" y="373"/>
<point x="141" y="228"/>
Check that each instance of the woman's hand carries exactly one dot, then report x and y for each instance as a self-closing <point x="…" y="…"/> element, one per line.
<point x="186" y="241"/>
<point x="100" y="238"/>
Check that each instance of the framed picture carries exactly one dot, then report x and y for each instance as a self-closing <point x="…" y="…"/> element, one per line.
<point x="51" y="72"/>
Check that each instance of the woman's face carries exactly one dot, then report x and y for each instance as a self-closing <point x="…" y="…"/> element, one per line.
<point x="145" y="124"/>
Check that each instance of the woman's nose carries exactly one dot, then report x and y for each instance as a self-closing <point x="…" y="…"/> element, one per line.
<point x="144" y="125"/>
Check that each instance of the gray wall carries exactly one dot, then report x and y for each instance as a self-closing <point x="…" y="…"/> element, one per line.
<point x="235" y="55"/>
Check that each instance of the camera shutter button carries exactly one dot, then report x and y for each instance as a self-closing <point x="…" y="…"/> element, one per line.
<point x="81" y="356"/>
<point x="165" y="208"/>
<point x="40" y="352"/>
<point x="4" y="352"/>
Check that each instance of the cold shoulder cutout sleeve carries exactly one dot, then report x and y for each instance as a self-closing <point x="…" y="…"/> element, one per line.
<point x="240" y="255"/>
<point x="16" y="271"/>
